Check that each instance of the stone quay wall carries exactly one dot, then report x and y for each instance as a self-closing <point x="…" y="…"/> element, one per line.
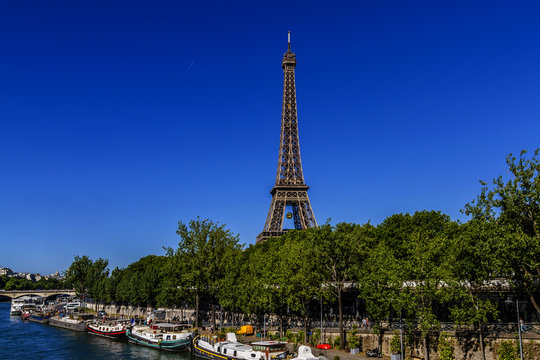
<point x="465" y="349"/>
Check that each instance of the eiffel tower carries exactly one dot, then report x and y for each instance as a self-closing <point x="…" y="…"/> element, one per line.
<point x="290" y="188"/>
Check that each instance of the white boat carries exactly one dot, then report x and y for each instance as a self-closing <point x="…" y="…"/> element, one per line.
<point x="230" y="349"/>
<point x="16" y="307"/>
<point x="18" y="303"/>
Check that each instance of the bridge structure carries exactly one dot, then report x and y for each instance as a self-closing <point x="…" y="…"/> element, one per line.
<point x="13" y="294"/>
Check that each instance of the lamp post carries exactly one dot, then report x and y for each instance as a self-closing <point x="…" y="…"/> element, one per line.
<point x="509" y="301"/>
<point x="402" y="356"/>
<point x="220" y="317"/>
<point x="321" y="340"/>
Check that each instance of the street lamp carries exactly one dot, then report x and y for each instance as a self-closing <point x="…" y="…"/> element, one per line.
<point x="220" y="317"/>
<point x="509" y="301"/>
<point x="320" y="337"/>
<point x="402" y="356"/>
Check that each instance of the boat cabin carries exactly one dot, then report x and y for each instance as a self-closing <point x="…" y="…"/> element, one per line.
<point x="271" y="349"/>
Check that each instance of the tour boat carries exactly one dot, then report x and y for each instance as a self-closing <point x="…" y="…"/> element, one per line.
<point x="68" y="322"/>
<point x="16" y="307"/>
<point x="113" y="329"/>
<point x="18" y="304"/>
<point x="230" y="349"/>
<point x="163" y="336"/>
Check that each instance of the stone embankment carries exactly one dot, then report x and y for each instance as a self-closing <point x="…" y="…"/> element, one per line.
<point x="463" y="348"/>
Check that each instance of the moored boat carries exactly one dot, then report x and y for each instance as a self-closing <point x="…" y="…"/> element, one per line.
<point x="25" y="315"/>
<point x="27" y="310"/>
<point x="231" y="349"/>
<point x="163" y="336"/>
<point x="67" y="322"/>
<point x="16" y="307"/>
<point x="39" y="317"/>
<point x="19" y="304"/>
<point x="114" y="329"/>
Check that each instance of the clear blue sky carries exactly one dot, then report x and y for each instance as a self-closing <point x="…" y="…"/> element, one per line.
<point x="119" y="119"/>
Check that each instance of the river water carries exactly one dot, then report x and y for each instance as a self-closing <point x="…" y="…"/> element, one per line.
<point x="28" y="340"/>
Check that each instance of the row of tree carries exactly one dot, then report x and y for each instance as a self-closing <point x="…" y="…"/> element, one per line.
<point x="416" y="265"/>
<point x="10" y="283"/>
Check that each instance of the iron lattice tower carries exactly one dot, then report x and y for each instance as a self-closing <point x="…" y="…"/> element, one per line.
<point x="290" y="188"/>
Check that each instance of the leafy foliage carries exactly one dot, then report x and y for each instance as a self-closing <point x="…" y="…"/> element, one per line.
<point x="512" y="205"/>
<point x="507" y="351"/>
<point x="446" y="349"/>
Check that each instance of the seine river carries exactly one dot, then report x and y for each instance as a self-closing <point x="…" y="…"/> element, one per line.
<point x="28" y="340"/>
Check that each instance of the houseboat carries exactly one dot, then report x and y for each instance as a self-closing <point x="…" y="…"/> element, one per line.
<point x="162" y="336"/>
<point x="230" y="349"/>
<point x="114" y="329"/>
<point x="39" y="317"/>
<point x="70" y="322"/>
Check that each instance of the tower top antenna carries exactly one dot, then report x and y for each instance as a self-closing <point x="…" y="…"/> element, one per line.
<point x="289" y="38"/>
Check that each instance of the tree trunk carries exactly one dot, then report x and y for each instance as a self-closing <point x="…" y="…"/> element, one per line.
<point x="214" y="321"/>
<point x="305" y="328"/>
<point x="197" y="310"/>
<point x="426" y="346"/>
<point x="481" y="338"/>
<point x="280" y="325"/>
<point x="340" y="307"/>
<point x="533" y="301"/>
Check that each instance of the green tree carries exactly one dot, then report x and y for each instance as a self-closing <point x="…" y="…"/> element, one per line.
<point x="203" y="253"/>
<point x="472" y="266"/>
<point x="300" y="274"/>
<point x="513" y="205"/>
<point x="338" y="250"/>
<point x="411" y="251"/>
<point x="140" y="283"/>
<point x="87" y="276"/>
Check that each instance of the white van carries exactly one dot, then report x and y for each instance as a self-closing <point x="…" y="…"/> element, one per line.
<point x="72" y="305"/>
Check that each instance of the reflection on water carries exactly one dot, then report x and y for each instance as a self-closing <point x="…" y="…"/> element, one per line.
<point x="25" y="339"/>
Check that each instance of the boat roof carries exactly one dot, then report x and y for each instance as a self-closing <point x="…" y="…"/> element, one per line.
<point x="27" y="297"/>
<point x="236" y="346"/>
<point x="165" y="325"/>
<point x="268" y="343"/>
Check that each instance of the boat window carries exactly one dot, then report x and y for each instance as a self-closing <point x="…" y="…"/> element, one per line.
<point x="224" y="351"/>
<point x="252" y="355"/>
<point x="234" y="353"/>
<point x="174" y="337"/>
<point x="168" y="337"/>
<point x="219" y="349"/>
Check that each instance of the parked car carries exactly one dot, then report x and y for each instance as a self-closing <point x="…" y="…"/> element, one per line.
<point x="324" y="346"/>
<point x="373" y="353"/>
<point x="102" y="313"/>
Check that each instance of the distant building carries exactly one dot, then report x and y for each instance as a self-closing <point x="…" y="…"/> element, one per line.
<point x="6" y="271"/>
